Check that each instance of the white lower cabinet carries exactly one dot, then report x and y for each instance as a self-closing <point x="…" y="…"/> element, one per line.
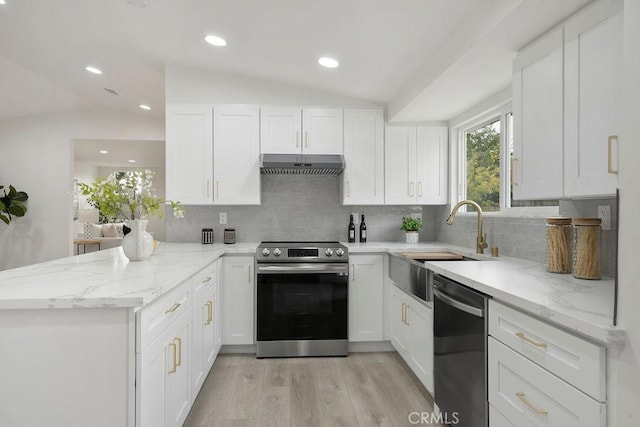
<point x="366" y="295"/>
<point x="412" y="335"/>
<point x="237" y="295"/>
<point x="540" y="375"/>
<point x="496" y="419"/>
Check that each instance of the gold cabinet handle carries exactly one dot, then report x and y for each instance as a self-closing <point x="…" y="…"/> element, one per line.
<point x="173" y="308"/>
<point x="513" y="171"/>
<point x="410" y="188"/>
<point x="611" y="140"/>
<point x="297" y="139"/>
<point x="520" y="395"/>
<point x="419" y="188"/>
<point x="403" y="321"/>
<point x="209" y="306"/>
<point x="175" y="356"/>
<point x="179" y="340"/>
<point x="306" y="139"/>
<point x="407" y="315"/>
<point x="522" y="336"/>
<point x="207" y="280"/>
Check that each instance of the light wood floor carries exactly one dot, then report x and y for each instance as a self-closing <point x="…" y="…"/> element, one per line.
<point x="364" y="389"/>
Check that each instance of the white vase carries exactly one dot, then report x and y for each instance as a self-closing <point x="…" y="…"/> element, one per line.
<point x="412" y="237"/>
<point x="137" y="244"/>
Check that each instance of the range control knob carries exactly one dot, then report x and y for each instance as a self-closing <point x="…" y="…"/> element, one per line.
<point x="328" y="252"/>
<point x="265" y="252"/>
<point x="339" y="252"/>
<point x="277" y="252"/>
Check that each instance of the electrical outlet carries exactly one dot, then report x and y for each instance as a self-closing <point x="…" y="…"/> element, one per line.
<point x="223" y="217"/>
<point x="604" y="213"/>
<point x="356" y="218"/>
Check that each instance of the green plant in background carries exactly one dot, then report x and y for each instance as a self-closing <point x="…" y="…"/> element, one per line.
<point x="12" y="204"/>
<point x="127" y="195"/>
<point x="410" y="223"/>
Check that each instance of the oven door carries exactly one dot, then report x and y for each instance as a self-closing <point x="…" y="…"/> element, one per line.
<point x="302" y="301"/>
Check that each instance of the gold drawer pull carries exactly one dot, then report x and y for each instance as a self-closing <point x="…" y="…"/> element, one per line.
<point x="173" y="308"/>
<point x="207" y="280"/>
<point x="522" y="336"/>
<point x="179" y="362"/>
<point x="610" y="141"/>
<point x="173" y="369"/>
<point x="520" y="395"/>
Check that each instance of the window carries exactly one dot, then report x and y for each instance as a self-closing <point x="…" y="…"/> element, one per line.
<point x="485" y="151"/>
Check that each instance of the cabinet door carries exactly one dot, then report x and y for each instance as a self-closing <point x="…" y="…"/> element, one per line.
<point x="189" y="153"/>
<point x="236" y="155"/>
<point x="363" y="177"/>
<point x="400" y="165"/>
<point x="537" y="163"/>
<point x="322" y="131"/>
<point x="593" y="64"/>
<point x="401" y="336"/>
<point x="432" y="172"/>
<point x="280" y="130"/>
<point x="420" y="321"/>
<point x="163" y="390"/>
<point x="237" y="300"/>
<point x="203" y="340"/>
<point x="366" y="298"/>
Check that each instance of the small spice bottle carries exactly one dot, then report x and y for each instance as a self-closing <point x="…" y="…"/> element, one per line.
<point x="587" y="243"/>
<point x="559" y="245"/>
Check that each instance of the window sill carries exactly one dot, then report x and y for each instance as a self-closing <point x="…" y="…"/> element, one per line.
<point x="528" y="212"/>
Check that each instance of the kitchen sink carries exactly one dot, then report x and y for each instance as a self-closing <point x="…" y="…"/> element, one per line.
<point x="434" y="256"/>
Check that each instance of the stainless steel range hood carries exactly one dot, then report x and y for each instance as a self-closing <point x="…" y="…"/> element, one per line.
<point x="311" y="164"/>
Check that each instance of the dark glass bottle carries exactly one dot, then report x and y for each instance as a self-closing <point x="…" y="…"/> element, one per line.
<point x="352" y="230"/>
<point x="363" y="231"/>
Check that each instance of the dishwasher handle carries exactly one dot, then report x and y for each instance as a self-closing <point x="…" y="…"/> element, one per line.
<point x="478" y="312"/>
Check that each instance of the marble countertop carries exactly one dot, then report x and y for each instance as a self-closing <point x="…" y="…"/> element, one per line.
<point x="107" y="278"/>
<point x="582" y="306"/>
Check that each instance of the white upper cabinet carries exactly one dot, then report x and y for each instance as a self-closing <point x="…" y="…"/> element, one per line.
<point x="236" y="155"/>
<point x="301" y="131"/>
<point x="416" y="165"/>
<point x="537" y="163"/>
<point x="592" y="90"/>
<point x="363" y="177"/>
<point x="189" y="153"/>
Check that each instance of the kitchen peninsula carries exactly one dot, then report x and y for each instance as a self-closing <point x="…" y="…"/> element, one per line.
<point x="73" y="329"/>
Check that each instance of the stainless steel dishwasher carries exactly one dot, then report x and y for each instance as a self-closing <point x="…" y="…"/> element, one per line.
<point x="460" y="352"/>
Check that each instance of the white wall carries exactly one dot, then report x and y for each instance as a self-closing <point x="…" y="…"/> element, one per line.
<point x="194" y="85"/>
<point x="36" y="157"/>
<point x="626" y="366"/>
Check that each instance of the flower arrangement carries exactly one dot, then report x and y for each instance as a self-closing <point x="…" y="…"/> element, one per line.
<point x="127" y="196"/>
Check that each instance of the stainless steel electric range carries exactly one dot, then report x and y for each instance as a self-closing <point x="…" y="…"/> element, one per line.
<point x="302" y="299"/>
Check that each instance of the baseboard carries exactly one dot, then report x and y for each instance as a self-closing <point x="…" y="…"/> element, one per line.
<point x="370" y="347"/>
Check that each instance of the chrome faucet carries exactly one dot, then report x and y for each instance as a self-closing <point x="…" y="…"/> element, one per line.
<point x="481" y="242"/>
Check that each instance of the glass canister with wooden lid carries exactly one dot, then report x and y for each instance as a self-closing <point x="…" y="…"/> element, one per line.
<point x="587" y="248"/>
<point x="559" y="245"/>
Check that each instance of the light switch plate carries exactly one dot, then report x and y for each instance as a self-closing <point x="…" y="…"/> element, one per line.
<point x="223" y="217"/>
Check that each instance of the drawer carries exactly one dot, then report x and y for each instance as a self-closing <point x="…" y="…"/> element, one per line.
<point x="153" y="320"/>
<point x="576" y="360"/>
<point x="527" y="395"/>
<point x="204" y="280"/>
<point x="496" y="419"/>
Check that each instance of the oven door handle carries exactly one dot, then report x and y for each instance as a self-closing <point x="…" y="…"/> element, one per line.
<point x="341" y="269"/>
<point x="478" y="312"/>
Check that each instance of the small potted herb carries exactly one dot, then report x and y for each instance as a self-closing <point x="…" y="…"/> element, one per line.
<point x="411" y="226"/>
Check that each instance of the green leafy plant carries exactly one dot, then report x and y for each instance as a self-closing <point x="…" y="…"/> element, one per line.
<point x="12" y="204"/>
<point x="127" y="195"/>
<point x="411" y="224"/>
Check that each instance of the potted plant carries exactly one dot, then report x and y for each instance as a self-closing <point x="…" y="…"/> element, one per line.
<point x="12" y="204"/>
<point x="411" y="226"/>
<point x="130" y="196"/>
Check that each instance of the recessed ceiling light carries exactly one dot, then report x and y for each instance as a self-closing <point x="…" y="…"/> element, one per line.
<point x="2" y="2"/>
<point x="131" y="161"/>
<point x="145" y="107"/>
<point x="104" y="152"/>
<point x="215" y="40"/>
<point x="91" y="69"/>
<point x="328" y="62"/>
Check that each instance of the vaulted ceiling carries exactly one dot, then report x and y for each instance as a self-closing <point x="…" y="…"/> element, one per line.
<point x="425" y="60"/>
